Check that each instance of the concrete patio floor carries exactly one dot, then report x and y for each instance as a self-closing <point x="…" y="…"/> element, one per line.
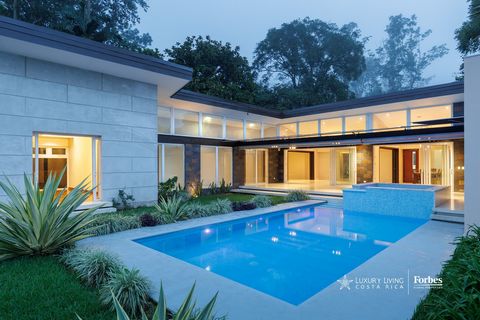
<point x="420" y="253"/>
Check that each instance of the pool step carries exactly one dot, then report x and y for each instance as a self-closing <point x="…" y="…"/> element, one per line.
<point x="329" y="199"/>
<point x="448" y="215"/>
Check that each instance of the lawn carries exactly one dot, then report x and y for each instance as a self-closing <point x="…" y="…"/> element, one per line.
<point x="459" y="297"/>
<point x="42" y="288"/>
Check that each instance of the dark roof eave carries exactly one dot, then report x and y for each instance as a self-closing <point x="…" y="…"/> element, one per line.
<point x="63" y="41"/>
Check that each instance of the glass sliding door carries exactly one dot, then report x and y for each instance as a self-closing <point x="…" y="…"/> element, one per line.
<point x="261" y="170"/>
<point x="344" y="166"/>
<point x="256" y="166"/>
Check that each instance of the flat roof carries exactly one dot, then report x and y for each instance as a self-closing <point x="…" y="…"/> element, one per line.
<point x="452" y="88"/>
<point x="28" y="32"/>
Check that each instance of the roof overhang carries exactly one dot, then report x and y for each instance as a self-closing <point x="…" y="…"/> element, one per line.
<point x="49" y="45"/>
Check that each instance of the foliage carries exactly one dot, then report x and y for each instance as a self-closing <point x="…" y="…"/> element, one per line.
<point x="243" y="205"/>
<point x="297" y="195"/>
<point x="307" y="62"/>
<point x="398" y="64"/>
<point x="33" y="288"/>
<point x="459" y="297"/>
<point x="123" y="201"/>
<point x="187" y="310"/>
<point x="235" y="197"/>
<point x="213" y="189"/>
<point x="167" y="189"/>
<point x="218" y="68"/>
<point x="468" y="35"/>
<point x="172" y="210"/>
<point x="196" y="188"/>
<point x="224" y="187"/>
<point x="262" y="201"/>
<point x="43" y="221"/>
<point x="106" y="224"/>
<point x="129" y="288"/>
<point x="92" y="266"/>
<point x="197" y="209"/>
<point x="110" y="22"/>
<point x="219" y="206"/>
<point x="148" y="220"/>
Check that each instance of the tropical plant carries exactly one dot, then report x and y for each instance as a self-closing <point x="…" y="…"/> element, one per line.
<point x="219" y="206"/>
<point x="172" y="210"/>
<point x="212" y="187"/>
<point x="129" y="287"/>
<point x="114" y="223"/>
<point x="243" y="205"/>
<point x="92" y="266"/>
<point x="148" y="220"/>
<point x="224" y="187"/>
<point x="167" y="189"/>
<point x="196" y="188"/>
<point x="43" y="221"/>
<point x="197" y="209"/>
<point x="297" y="195"/>
<point x="123" y="201"/>
<point x="187" y="310"/>
<point x="262" y="201"/>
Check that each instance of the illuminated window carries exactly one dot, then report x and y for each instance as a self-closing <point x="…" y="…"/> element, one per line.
<point x="171" y="162"/>
<point x="269" y="131"/>
<point x="355" y="123"/>
<point x="212" y="126"/>
<point x="186" y="122"/>
<point x="387" y="120"/>
<point x="308" y="127"/>
<point x="216" y="164"/>
<point x="234" y="129"/>
<point x="164" y="123"/>
<point x="331" y="126"/>
<point x="288" y="129"/>
<point x="432" y="113"/>
<point x="253" y="130"/>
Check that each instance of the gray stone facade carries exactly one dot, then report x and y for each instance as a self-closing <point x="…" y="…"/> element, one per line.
<point x="192" y="164"/>
<point x="364" y="163"/>
<point x="275" y="165"/>
<point x="238" y="167"/>
<point x="39" y="96"/>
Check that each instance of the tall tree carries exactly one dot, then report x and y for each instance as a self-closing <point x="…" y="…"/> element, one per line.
<point x="108" y="21"/>
<point x="218" y="68"/>
<point x="468" y="35"/>
<point x="399" y="63"/>
<point x="308" y="62"/>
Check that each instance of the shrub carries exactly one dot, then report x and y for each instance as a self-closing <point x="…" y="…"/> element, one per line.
<point x="123" y="201"/>
<point x="148" y="220"/>
<point x="224" y="187"/>
<point x="114" y="223"/>
<point x="297" y="195"/>
<point x="243" y="205"/>
<point x="167" y="189"/>
<point x="172" y="210"/>
<point x="212" y="187"/>
<point x="42" y="221"/>
<point x="196" y="188"/>
<point x="92" y="266"/>
<point x="219" y="206"/>
<point x="187" y="310"/>
<point x="262" y="201"/>
<point x="197" y="209"/>
<point x="129" y="288"/>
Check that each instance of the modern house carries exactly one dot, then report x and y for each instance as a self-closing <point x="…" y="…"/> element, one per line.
<point x="123" y="121"/>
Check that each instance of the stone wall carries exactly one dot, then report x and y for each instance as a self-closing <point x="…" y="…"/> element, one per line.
<point x="238" y="167"/>
<point x="39" y="96"/>
<point x="458" y="166"/>
<point x="275" y="165"/>
<point x="192" y="164"/>
<point x="364" y="163"/>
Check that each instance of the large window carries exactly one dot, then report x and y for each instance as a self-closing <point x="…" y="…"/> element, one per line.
<point x="77" y="155"/>
<point x="254" y="130"/>
<point x="164" y="119"/>
<point x="171" y="162"/>
<point x="308" y="128"/>
<point x="216" y="164"/>
<point x="432" y="113"/>
<point x="186" y="122"/>
<point x="388" y="120"/>
<point x="234" y="129"/>
<point x="355" y="123"/>
<point x="255" y="166"/>
<point x="212" y="126"/>
<point x="331" y="126"/>
<point x="269" y="131"/>
<point x="288" y="129"/>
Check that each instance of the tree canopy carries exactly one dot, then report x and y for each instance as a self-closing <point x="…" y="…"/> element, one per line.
<point x="307" y="62"/>
<point x="399" y="63"/>
<point x="218" y="68"/>
<point x="108" y="21"/>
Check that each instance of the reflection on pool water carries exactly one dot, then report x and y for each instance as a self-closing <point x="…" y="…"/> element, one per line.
<point x="289" y="254"/>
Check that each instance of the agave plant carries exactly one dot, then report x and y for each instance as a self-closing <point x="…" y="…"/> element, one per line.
<point x="42" y="221"/>
<point x="172" y="210"/>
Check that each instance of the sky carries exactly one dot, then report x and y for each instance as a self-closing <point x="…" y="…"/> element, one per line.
<point x="246" y="22"/>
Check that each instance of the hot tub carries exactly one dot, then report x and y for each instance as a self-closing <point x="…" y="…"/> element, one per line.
<point x="405" y="200"/>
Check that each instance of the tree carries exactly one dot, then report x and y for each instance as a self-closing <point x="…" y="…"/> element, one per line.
<point x="108" y="21"/>
<point x="218" y="68"/>
<point x="309" y="62"/>
<point x="468" y="35"/>
<point x="399" y="63"/>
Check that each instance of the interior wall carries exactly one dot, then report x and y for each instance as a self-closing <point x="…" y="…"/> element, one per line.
<point x="322" y="165"/>
<point x="80" y="161"/>
<point x="385" y="165"/>
<point x="298" y="165"/>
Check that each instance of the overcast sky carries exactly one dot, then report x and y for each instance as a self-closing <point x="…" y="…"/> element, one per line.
<point x="246" y="22"/>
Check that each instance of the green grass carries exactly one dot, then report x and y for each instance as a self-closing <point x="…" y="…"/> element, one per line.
<point x="459" y="297"/>
<point x="42" y="288"/>
<point x="235" y="197"/>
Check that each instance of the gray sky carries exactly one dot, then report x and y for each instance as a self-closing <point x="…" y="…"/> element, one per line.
<point x="245" y="22"/>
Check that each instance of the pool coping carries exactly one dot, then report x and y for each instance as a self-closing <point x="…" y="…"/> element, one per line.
<point x="419" y="253"/>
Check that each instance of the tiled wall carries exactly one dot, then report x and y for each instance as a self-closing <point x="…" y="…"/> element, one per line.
<point x="192" y="164"/>
<point x="46" y="97"/>
<point x="364" y="163"/>
<point x="275" y="165"/>
<point x="238" y="167"/>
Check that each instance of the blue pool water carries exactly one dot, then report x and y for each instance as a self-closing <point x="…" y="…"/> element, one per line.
<point x="290" y="254"/>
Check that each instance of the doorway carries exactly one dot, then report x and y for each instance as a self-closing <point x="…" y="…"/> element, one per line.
<point x="411" y="169"/>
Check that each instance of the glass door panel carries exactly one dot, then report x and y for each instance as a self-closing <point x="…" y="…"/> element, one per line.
<point x="344" y="166"/>
<point x="261" y="172"/>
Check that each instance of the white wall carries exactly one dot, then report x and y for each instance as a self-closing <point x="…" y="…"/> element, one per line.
<point x="472" y="147"/>
<point x="45" y="97"/>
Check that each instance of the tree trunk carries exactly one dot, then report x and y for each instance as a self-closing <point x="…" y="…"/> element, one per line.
<point x="15" y="9"/>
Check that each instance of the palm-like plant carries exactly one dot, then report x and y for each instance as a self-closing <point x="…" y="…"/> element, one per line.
<point x="172" y="210"/>
<point x="42" y="221"/>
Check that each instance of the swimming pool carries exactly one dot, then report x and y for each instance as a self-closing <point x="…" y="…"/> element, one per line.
<point x="290" y="254"/>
